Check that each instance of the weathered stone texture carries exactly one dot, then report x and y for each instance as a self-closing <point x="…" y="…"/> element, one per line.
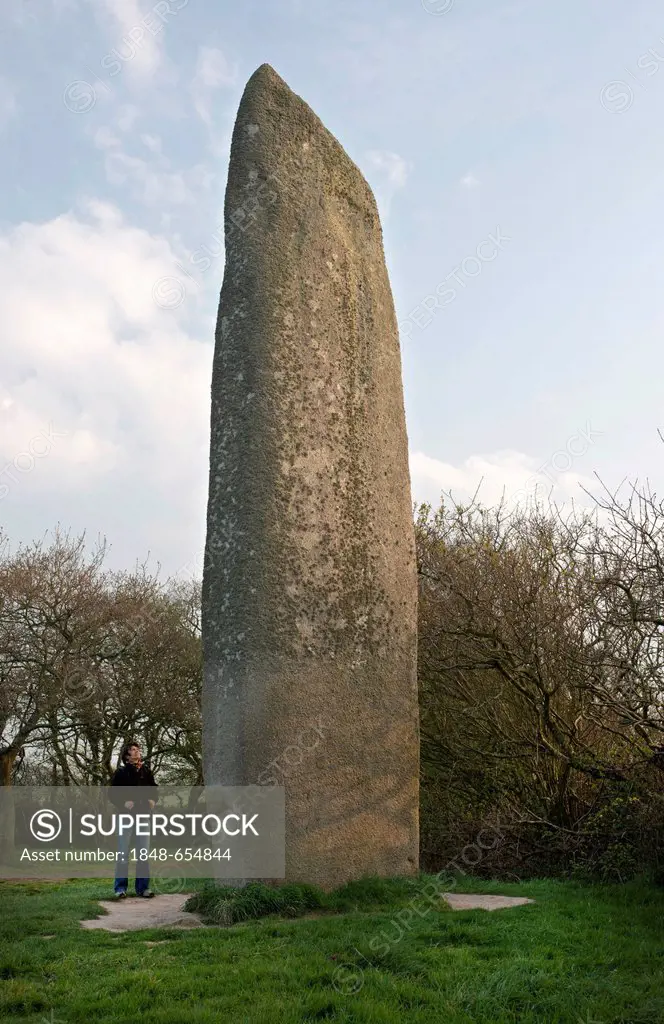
<point x="309" y="589"/>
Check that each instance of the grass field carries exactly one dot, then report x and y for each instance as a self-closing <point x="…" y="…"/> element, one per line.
<point x="579" y="954"/>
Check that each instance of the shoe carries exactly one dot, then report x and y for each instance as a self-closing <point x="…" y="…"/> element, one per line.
<point x="147" y="895"/>
<point x="122" y="895"/>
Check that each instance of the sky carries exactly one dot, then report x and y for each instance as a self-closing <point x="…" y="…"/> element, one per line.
<point x="515" y="151"/>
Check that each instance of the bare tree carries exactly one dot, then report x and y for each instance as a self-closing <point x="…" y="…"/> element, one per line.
<point x="89" y="659"/>
<point x="540" y="684"/>
<point x="51" y="612"/>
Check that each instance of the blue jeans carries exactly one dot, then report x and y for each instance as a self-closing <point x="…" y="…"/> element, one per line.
<point x="122" y="864"/>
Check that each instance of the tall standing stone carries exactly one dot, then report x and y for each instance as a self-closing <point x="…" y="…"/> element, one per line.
<point x="310" y="587"/>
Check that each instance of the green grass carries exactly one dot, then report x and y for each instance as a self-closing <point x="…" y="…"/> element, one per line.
<point x="227" y="906"/>
<point x="581" y="953"/>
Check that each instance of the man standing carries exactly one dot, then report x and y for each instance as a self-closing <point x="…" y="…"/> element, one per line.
<point x="133" y="772"/>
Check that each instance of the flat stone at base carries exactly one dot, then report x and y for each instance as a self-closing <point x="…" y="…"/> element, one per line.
<point x="470" y="901"/>
<point x="135" y="914"/>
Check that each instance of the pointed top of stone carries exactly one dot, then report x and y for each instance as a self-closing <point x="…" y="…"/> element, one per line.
<point x="277" y="132"/>
<point x="266" y="76"/>
<point x="265" y="89"/>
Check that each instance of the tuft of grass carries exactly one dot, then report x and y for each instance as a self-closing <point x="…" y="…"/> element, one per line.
<point x="372" y="893"/>
<point x="225" y="905"/>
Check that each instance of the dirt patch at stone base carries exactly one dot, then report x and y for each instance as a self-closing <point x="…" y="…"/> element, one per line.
<point x="136" y="914"/>
<point x="469" y="901"/>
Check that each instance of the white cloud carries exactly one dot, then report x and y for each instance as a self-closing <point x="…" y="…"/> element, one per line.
<point x="153" y="143"/>
<point x="151" y="181"/>
<point x="469" y="181"/>
<point x="126" y="117"/>
<point x="150" y="178"/>
<point x="86" y="350"/>
<point x="393" y="166"/>
<point x="510" y="473"/>
<point x="139" y="48"/>
<point x="213" y="72"/>
<point x="390" y="174"/>
<point x="213" y="69"/>
<point x="105" y="138"/>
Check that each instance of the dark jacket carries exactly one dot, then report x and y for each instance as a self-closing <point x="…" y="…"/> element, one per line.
<point x="129" y="775"/>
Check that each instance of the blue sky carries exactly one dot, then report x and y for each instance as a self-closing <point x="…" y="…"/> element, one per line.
<point x="538" y="125"/>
